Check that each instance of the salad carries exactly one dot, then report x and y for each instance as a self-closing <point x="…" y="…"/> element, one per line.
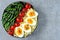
<point x="19" y="19"/>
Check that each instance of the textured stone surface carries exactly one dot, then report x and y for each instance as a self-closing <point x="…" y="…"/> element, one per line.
<point x="48" y="20"/>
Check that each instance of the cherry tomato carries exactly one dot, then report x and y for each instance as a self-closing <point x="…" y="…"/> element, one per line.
<point x="10" y="32"/>
<point x="16" y="24"/>
<point x="12" y="27"/>
<point x="17" y="20"/>
<point x="22" y="14"/>
<point x="28" y="5"/>
<point x="24" y="9"/>
<point x="21" y="19"/>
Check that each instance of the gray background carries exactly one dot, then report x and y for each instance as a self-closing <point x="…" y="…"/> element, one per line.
<point x="48" y="22"/>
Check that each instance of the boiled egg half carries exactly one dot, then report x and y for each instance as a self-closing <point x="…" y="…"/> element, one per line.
<point x="26" y="27"/>
<point x="32" y="13"/>
<point x="30" y="21"/>
<point x="19" y="32"/>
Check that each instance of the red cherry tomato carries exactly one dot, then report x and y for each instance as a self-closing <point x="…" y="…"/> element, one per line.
<point x="28" y="6"/>
<point x="22" y="14"/>
<point x="12" y="28"/>
<point x="24" y="9"/>
<point x="21" y="19"/>
<point x="17" y="20"/>
<point x="10" y="32"/>
<point x="16" y="24"/>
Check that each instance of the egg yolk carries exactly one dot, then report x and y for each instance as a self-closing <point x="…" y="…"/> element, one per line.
<point x="32" y="13"/>
<point x="30" y="21"/>
<point x="26" y="27"/>
<point x="19" y="31"/>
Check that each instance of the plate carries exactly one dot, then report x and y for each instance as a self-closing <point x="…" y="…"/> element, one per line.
<point x="20" y="19"/>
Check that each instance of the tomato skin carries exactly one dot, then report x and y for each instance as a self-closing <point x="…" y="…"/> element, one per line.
<point x="10" y="32"/>
<point x="17" y="20"/>
<point x="12" y="28"/>
<point x="22" y="14"/>
<point x="21" y="19"/>
<point x="16" y="24"/>
<point x="24" y="9"/>
<point x="27" y="6"/>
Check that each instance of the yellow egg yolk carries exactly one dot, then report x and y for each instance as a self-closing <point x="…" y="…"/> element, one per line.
<point x="30" y="21"/>
<point x="32" y="13"/>
<point x="19" y="31"/>
<point x="26" y="27"/>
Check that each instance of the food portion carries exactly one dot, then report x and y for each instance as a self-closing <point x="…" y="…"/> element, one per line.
<point x="32" y="13"/>
<point x="19" y="19"/>
<point x="18" y="32"/>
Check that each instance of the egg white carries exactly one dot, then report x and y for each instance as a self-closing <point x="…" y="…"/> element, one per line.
<point x="31" y="10"/>
<point x="21" y="35"/>
<point x="27" y="31"/>
<point x="34" y="22"/>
